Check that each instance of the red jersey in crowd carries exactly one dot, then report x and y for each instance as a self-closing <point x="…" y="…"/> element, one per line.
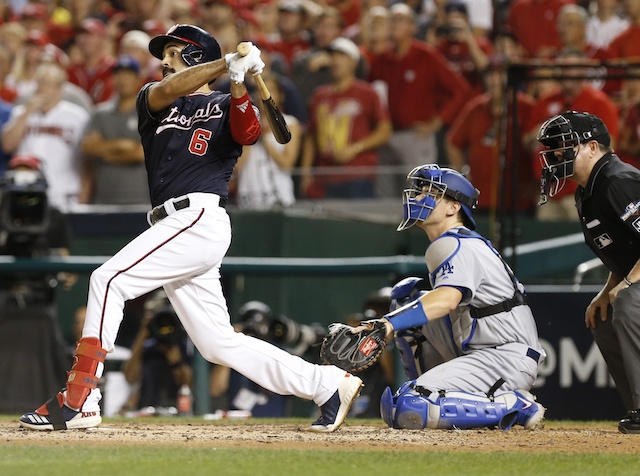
<point x="589" y="100"/>
<point x="98" y="82"/>
<point x="533" y="23"/>
<point x="341" y="118"/>
<point x="421" y="85"/>
<point x="478" y="133"/>
<point x="458" y="55"/>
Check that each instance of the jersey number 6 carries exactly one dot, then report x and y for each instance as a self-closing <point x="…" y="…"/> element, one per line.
<point x="199" y="141"/>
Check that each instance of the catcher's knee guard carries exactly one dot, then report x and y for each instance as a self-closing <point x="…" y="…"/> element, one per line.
<point x="88" y="363"/>
<point x="408" y="409"/>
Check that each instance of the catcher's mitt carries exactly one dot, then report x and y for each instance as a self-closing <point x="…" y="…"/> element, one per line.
<point x="354" y="352"/>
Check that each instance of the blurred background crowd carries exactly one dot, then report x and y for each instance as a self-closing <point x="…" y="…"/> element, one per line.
<point x="370" y="88"/>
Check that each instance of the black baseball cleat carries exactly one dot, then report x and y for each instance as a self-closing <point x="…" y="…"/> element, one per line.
<point x="630" y="423"/>
<point x="55" y="415"/>
<point x="335" y="410"/>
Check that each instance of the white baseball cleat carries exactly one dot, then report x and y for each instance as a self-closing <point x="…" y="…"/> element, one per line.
<point x="335" y="410"/>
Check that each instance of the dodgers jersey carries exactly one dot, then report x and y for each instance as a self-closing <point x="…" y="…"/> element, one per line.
<point x="469" y="264"/>
<point x="188" y="146"/>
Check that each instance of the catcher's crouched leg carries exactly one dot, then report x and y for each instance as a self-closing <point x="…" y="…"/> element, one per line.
<point x="414" y="409"/>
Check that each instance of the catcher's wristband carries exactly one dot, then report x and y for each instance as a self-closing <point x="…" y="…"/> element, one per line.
<point x="408" y="316"/>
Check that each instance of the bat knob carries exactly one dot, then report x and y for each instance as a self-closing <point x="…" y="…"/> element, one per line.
<point x="243" y="48"/>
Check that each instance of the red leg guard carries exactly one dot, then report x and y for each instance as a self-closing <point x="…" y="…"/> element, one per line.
<point x="82" y="377"/>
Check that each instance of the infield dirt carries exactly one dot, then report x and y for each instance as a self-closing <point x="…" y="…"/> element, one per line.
<point x="556" y="437"/>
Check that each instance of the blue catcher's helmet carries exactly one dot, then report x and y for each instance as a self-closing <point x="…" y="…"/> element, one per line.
<point x="200" y="47"/>
<point x="428" y="184"/>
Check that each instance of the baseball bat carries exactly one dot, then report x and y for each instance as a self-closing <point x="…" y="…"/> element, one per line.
<point x="276" y="120"/>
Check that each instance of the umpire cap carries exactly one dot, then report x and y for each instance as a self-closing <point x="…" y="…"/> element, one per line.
<point x="201" y="46"/>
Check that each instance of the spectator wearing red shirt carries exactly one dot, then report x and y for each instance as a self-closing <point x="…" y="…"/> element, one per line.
<point x="218" y="17"/>
<point x="348" y="123"/>
<point x="627" y="43"/>
<point x="424" y="92"/>
<point x="572" y="30"/>
<point x="293" y="36"/>
<point x="533" y="22"/>
<point x="629" y="145"/>
<point x="467" y="54"/>
<point x="474" y="144"/>
<point x="574" y="94"/>
<point x="93" y="74"/>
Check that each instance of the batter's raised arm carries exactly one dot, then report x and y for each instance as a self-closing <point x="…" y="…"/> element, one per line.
<point x="184" y="82"/>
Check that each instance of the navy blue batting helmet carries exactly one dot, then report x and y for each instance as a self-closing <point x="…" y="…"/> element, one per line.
<point x="200" y="47"/>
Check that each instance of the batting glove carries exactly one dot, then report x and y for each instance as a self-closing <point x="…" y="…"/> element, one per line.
<point x="239" y="66"/>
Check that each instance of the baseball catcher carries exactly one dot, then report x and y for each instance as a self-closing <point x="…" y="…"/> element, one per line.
<point x="470" y="345"/>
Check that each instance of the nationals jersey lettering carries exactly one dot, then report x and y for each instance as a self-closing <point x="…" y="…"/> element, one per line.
<point x="188" y="146"/>
<point x="181" y="121"/>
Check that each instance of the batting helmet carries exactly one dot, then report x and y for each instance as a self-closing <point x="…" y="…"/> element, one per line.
<point x="200" y="47"/>
<point x="427" y="185"/>
<point x="560" y="135"/>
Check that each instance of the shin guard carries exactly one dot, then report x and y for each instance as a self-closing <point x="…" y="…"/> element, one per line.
<point x="83" y="375"/>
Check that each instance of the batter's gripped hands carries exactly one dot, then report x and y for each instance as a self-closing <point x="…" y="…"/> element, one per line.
<point x="239" y="66"/>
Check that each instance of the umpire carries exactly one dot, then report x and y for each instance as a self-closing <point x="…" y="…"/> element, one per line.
<point x="578" y="146"/>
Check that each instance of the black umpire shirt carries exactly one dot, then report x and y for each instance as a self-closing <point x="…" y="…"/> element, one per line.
<point x="609" y="209"/>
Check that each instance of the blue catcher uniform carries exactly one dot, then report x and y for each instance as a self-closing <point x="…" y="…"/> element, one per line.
<point x="474" y="366"/>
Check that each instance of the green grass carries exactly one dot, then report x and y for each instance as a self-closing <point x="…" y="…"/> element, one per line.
<point x="66" y="460"/>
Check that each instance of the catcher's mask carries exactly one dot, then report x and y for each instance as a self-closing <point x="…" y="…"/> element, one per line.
<point x="427" y="185"/>
<point x="561" y="135"/>
<point x="200" y="46"/>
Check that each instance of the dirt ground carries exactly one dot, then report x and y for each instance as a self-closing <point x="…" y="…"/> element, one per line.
<point x="579" y="438"/>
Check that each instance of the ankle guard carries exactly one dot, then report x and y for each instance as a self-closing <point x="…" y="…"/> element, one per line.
<point x="83" y="375"/>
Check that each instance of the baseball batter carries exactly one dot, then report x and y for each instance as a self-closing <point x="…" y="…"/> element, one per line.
<point x="470" y="346"/>
<point x="192" y="137"/>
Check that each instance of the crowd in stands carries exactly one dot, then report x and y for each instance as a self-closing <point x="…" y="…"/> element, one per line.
<point x="371" y="88"/>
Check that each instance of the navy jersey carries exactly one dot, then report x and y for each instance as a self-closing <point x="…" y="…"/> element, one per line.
<point x="188" y="147"/>
<point x="609" y="208"/>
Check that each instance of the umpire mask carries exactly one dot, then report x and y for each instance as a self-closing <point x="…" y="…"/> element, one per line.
<point x="560" y="140"/>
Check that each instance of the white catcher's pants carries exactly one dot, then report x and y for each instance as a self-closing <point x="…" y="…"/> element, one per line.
<point x="183" y="254"/>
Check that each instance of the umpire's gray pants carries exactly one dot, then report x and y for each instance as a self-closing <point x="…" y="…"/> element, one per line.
<point x="619" y="341"/>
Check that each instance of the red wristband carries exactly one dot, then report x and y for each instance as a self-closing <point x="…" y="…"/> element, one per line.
<point x="244" y="123"/>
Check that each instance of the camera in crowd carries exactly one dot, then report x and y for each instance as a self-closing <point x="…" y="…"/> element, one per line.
<point x="257" y="319"/>
<point x="24" y="207"/>
<point x="166" y="328"/>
